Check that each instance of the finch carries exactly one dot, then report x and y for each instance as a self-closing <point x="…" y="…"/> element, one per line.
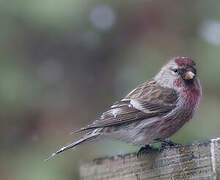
<point x="153" y="111"/>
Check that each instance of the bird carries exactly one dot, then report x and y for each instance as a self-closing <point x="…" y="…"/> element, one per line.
<point x="152" y="112"/>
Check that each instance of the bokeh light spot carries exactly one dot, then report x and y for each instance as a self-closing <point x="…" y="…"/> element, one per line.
<point x="210" y="31"/>
<point x="102" y="17"/>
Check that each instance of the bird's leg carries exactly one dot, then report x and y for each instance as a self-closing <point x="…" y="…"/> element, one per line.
<point x="165" y="143"/>
<point x="146" y="149"/>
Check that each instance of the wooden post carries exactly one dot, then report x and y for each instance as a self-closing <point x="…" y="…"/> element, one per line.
<point x="196" y="161"/>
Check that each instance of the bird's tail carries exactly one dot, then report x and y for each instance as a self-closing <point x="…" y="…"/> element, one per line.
<point x="86" y="138"/>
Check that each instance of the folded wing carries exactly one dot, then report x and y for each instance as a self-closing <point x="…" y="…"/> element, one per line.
<point x="146" y="101"/>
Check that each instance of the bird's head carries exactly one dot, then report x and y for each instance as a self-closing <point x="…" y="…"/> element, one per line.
<point x="177" y="73"/>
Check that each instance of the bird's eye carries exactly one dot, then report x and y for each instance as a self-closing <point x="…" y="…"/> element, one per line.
<point x="175" y="70"/>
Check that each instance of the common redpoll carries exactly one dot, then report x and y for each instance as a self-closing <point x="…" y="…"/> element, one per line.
<point x="153" y="111"/>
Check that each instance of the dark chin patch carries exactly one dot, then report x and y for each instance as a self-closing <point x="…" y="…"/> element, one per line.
<point x="184" y="61"/>
<point x="188" y="82"/>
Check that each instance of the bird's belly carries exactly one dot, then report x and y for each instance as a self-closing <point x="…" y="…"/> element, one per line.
<point x="170" y="125"/>
<point x="138" y="133"/>
<point x="146" y="131"/>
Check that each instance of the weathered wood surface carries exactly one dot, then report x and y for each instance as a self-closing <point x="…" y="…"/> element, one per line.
<point x="196" y="161"/>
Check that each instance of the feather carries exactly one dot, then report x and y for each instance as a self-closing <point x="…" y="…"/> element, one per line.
<point x="146" y="101"/>
<point x="86" y="138"/>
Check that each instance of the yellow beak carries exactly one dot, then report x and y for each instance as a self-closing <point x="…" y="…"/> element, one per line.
<point x="189" y="75"/>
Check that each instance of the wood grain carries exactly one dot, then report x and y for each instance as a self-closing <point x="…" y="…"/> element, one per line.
<point x="196" y="161"/>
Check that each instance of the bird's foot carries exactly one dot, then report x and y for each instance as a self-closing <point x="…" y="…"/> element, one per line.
<point x="167" y="144"/>
<point x="146" y="149"/>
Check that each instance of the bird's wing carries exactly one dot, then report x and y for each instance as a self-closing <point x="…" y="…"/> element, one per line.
<point x="147" y="100"/>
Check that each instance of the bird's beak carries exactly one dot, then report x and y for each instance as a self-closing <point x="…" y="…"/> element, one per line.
<point x="189" y="75"/>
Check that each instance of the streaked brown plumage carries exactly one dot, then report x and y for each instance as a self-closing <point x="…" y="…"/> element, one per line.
<point x="154" y="102"/>
<point x="154" y="110"/>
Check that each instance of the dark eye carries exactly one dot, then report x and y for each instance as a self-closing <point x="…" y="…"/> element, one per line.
<point x="175" y="70"/>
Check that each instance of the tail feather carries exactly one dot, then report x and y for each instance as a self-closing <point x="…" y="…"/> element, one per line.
<point x="72" y="145"/>
<point x="79" y="130"/>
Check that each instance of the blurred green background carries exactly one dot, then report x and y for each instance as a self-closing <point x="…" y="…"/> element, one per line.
<point x="62" y="63"/>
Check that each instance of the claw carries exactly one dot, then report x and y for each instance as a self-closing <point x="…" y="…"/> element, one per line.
<point x="167" y="144"/>
<point x="146" y="149"/>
